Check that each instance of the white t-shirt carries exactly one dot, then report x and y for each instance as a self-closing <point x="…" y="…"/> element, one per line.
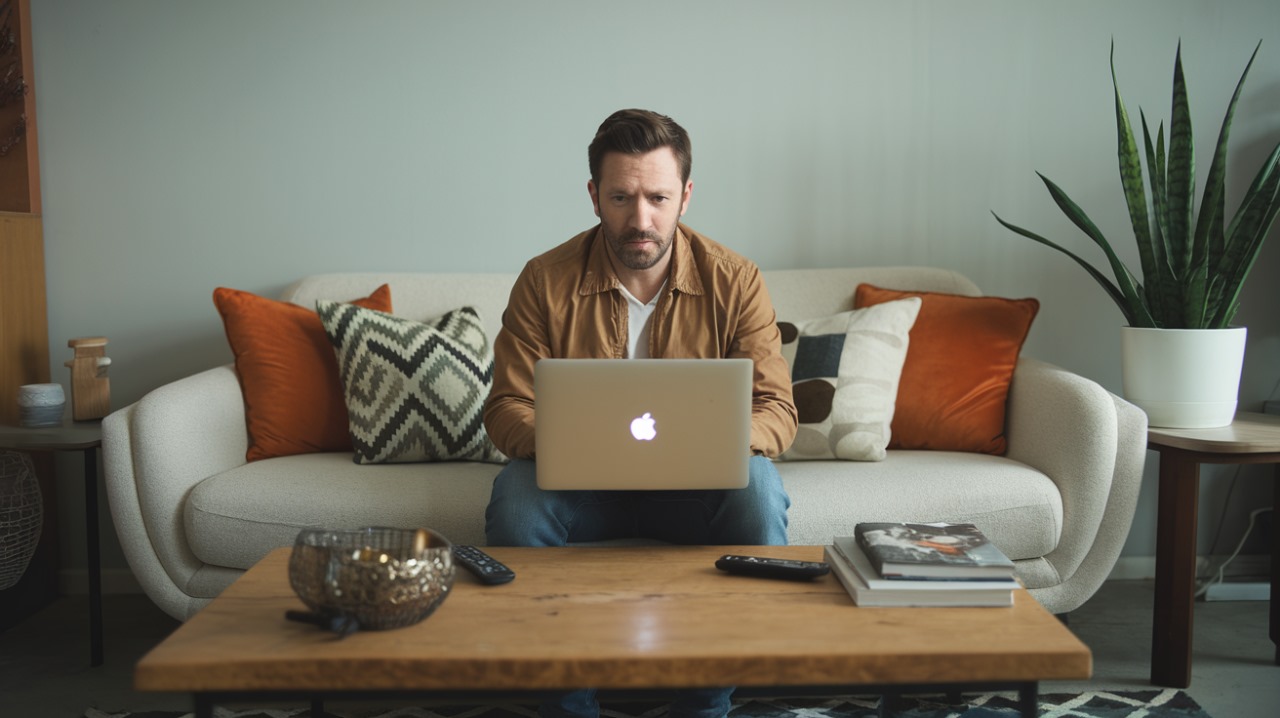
<point x="639" y="317"/>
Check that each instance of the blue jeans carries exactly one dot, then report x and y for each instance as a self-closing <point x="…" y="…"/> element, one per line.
<point x="521" y="514"/>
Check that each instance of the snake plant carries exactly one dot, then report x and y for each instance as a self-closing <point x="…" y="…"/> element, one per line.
<point x="1192" y="267"/>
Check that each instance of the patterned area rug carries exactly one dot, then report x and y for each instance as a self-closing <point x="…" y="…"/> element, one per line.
<point x="1095" y="704"/>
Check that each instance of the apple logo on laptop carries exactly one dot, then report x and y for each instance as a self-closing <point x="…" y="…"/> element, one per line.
<point x="643" y="428"/>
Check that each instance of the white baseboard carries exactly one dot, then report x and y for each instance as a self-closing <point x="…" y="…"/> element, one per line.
<point x="1242" y="591"/>
<point x="73" y="582"/>
<point x="1143" y="568"/>
<point x="1133" y="568"/>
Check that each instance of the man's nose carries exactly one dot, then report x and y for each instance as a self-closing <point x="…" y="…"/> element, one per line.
<point x="641" y="215"/>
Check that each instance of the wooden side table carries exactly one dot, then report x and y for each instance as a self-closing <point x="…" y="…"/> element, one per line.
<point x="1250" y="439"/>
<point x="86" y="437"/>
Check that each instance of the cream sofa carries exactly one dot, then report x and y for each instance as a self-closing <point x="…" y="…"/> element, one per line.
<point x="192" y="515"/>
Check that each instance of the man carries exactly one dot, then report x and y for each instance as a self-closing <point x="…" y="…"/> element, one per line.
<point x="639" y="284"/>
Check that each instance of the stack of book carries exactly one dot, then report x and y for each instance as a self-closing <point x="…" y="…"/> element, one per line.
<point x="901" y="564"/>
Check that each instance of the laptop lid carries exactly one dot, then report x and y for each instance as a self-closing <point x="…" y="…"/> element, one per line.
<point x="605" y="424"/>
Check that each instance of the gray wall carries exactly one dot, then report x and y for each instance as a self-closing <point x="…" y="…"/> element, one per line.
<point x="191" y="145"/>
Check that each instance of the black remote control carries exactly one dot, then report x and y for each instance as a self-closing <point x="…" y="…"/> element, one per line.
<point x="485" y="567"/>
<point x="772" y="567"/>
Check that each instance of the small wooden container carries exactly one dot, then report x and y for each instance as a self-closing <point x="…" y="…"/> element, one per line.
<point x="90" y="387"/>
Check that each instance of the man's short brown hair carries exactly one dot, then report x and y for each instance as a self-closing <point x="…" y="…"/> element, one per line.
<point x="636" y="132"/>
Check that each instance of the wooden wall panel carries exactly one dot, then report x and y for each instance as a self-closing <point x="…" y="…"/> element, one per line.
<point x="19" y="163"/>
<point x="24" y="333"/>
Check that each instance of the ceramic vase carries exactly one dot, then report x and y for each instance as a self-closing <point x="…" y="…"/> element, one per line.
<point x="41" y="405"/>
<point x="1183" y="378"/>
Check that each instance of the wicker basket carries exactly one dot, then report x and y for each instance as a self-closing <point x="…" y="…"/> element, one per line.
<point x="21" y="516"/>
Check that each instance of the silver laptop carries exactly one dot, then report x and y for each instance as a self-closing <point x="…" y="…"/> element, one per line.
<point x="642" y="423"/>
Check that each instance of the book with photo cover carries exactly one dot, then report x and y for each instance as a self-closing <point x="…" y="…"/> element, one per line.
<point x="936" y="551"/>
<point x="913" y="593"/>
<point x="847" y="548"/>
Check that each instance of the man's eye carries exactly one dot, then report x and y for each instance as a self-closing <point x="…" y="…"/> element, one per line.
<point x="659" y="199"/>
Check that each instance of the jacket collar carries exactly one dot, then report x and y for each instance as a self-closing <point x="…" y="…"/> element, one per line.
<point x="600" y="276"/>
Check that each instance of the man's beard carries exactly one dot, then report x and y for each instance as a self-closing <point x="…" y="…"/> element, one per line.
<point x="636" y="258"/>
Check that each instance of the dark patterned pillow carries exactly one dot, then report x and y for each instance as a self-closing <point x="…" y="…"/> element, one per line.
<point x="414" y="391"/>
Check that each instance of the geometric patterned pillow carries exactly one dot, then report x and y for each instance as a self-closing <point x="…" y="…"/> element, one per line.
<point x="414" y="391"/>
<point x="844" y="373"/>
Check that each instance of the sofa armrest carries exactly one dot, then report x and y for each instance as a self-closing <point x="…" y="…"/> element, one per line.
<point x="1092" y="444"/>
<point x="154" y="452"/>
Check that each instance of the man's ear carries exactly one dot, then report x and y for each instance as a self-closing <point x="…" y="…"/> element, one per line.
<point x="688" y="194"/>
<point x="595" y="196"/>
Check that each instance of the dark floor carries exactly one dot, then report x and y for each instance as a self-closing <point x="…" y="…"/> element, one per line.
<point x="44" y="661"/>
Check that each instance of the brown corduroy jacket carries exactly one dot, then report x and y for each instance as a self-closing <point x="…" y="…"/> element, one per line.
<point x="566" y="304"/>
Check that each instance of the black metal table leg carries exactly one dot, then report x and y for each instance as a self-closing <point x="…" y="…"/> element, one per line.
<point x="95" y="564"/>
<point x="1028" y="699"/>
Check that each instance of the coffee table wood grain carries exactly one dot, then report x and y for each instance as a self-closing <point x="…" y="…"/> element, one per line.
<point x="611" y="618"/>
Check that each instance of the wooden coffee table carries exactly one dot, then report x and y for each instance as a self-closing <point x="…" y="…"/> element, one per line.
<point x="612" y="618"/>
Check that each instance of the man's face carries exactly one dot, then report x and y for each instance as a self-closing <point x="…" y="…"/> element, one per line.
<point x="639" y="201"/>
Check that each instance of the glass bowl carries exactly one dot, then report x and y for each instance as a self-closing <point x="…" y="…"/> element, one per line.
<point x="377" y="577"/>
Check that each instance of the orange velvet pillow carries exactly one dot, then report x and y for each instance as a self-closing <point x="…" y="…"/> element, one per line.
<point x="288" y="373"/>
<point x="960" y="361"/>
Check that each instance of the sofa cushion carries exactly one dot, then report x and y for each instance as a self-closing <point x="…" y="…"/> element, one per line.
<point x="414" y="391"/>
<point x="1019" y="508"/>
<point x="844" y="373"/>
<point x="234" y="518"/>
<point x="955" y="381"/>
<point x="288" y="374"/>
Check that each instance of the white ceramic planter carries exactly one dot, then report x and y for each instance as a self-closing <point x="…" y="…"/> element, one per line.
<point x="1183" y="378"/>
